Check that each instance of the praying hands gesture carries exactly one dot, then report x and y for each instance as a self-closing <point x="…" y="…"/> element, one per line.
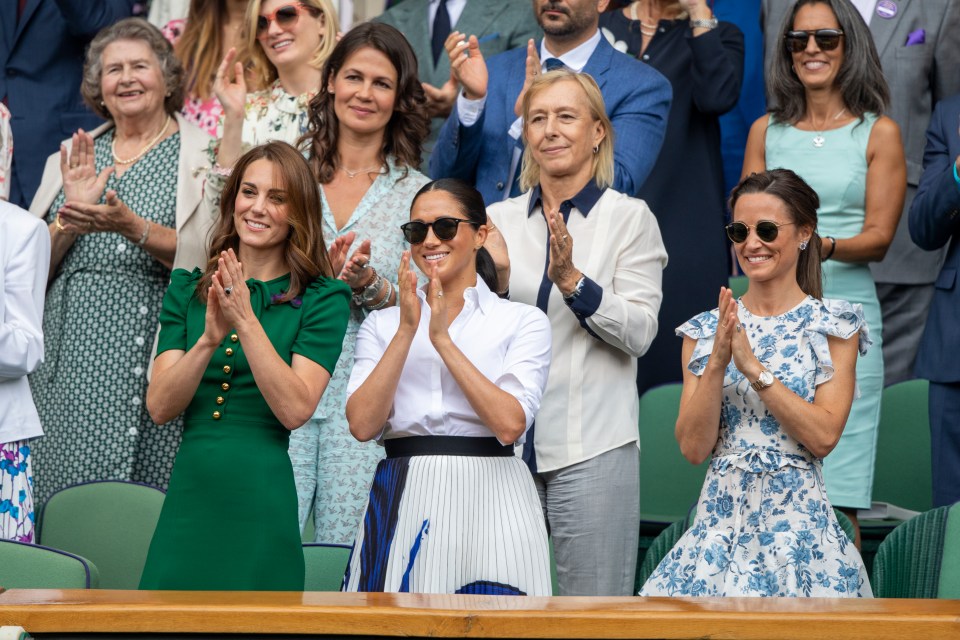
<point x="731" y="341"/>
<point x="560" y="269"/>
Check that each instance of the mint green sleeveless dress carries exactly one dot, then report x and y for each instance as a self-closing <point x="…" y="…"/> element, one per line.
<point x="837" y="171"/>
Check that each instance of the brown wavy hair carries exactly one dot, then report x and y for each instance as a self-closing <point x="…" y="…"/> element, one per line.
<point x="407" y="128"/>
<point x="801" y="202"/>
<point x="199" y="46"/>
<point x="305" y="252"/>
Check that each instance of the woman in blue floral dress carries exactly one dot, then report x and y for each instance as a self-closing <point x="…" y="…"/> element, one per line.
<point x="767" y="388"/>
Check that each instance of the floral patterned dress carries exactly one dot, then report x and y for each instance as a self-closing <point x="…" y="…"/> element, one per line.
<point x="205" y="114"/>
<point x="764" y="526"/>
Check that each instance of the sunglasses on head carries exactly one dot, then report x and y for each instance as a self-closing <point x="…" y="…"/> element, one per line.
<point x="415" y="231"/>
<point x="285" y="16"/>
<point x="826" y="39"/>
<point x="767" y="230"/>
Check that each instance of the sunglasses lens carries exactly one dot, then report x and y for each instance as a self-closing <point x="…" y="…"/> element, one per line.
<point x="796" y="41"/>
<point x="445" y="228"/>
<point x="737" y="232"/>
<point x="287" y="15"/>
<point x="262" y="24"/>
<point x="827" y="39"/>
<point x="414" y="232"/>
<point x="767" y="231"/>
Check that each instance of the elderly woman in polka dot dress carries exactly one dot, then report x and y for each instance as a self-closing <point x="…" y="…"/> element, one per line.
<point x="123" y="207"/>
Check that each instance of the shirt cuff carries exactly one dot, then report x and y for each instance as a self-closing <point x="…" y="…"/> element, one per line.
<point x="469" y="110"/>
<point x="516" y="129"/>
<point x="587" y="303"/>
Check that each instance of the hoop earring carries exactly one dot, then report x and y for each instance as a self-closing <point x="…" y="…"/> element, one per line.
<point x="596" y="148"/>
<point x="803" y="245"/>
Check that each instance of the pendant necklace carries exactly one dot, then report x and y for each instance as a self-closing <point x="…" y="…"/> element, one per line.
<point x="354" y="174"/>
<point x="818" y="139"/>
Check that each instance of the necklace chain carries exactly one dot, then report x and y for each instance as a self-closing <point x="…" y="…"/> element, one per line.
<point x="354" y="174"/>
<point x="648" y="30"/>
<point x="819" y="140"/>
<point x="153" y="141"/>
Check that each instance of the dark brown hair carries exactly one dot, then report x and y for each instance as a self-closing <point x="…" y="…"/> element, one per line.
<point x="409" y="124"/>
<point x="305" y="252"/>
<point x="801" y="202"/>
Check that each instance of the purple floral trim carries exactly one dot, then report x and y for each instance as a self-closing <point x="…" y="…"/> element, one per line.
<point x="277" y="299"/>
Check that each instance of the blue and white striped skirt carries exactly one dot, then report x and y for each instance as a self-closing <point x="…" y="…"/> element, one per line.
<point x="452" y="524"/>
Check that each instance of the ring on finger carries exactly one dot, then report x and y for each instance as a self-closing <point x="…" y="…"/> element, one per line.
<point x="228" y="290"/>
<point x="739" y="327"/>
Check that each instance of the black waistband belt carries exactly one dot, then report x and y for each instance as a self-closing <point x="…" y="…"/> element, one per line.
<point x="446" y="446"/>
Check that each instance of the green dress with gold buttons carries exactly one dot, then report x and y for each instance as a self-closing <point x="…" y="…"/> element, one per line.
<point x="229" y="521"/>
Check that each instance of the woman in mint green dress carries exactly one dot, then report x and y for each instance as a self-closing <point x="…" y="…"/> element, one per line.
<point x="828" y="127"/>
<point x="246" y="349"/>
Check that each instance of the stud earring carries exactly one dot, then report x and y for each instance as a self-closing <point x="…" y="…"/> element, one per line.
<point x="803" y="245"/>
<point x="596" y="148"/>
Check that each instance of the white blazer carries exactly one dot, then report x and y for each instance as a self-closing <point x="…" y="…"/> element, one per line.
<point x="24" y="260"/>
<point x="193" y="218"/>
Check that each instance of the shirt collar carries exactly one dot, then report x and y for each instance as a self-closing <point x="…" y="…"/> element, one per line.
<point x="481" y="295"/>
<point x="575" y="59"/>
<point x="584" y="201"/>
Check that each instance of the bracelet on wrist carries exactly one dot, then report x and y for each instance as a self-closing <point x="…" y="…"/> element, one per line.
<point x="370" y="281"/>
<point x="833" y="247"/>
<point x="219" y="170"/>
<point x="144" y="234"/>
<point x="388" y="291"/>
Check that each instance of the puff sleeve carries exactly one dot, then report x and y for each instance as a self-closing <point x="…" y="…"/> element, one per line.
<point x="173" y="313"/>
<point x="323" y="323"/>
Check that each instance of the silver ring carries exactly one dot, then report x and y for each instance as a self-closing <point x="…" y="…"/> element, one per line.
<point x="439" y="294"/>
<point x="227" y="290"/>
<point x="564" y="237"/>
<point x="739" y="326"/>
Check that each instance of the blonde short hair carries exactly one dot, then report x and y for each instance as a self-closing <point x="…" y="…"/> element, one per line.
<point x="602" y="159"/>
<point x="262" y="71"/>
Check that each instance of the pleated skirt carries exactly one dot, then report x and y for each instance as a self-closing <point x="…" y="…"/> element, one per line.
<point x="453" y="525"/>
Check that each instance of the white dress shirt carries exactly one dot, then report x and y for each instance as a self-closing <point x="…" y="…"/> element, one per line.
<point x="590" y="405"/>
<point x="507" y="341"/>
<point x="454" y="10"/>
<point x="24" y="260"/>
<point x="866" y="8"/>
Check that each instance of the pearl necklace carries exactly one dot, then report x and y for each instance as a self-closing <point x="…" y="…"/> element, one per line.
<point x="156" y="138"/>
<point x="818" y="139"/>
<point x="354" y="174"/>
<point x="651" y="29"/>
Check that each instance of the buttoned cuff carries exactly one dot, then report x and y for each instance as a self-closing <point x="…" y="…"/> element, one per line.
<point x="469" y="110"/>
<point x="587" y="303"/>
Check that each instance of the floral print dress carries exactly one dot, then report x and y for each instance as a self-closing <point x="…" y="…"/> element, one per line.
<point x="764" y="526"/>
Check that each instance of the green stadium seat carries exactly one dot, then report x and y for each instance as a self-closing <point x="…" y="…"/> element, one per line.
<point x="31" y="566"/>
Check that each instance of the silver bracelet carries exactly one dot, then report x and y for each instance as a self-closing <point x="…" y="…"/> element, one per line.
<point x="709" y="23"/>
<point x="386" y="298"/>
<point x="146" y="233"/>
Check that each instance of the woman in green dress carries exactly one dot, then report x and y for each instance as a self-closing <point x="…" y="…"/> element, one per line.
<point x="246" y="350"/>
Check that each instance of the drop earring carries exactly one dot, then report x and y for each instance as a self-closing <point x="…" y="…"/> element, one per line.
<point x="803" y="245"/>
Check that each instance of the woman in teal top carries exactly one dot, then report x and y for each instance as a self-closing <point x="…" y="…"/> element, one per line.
<point x="246" y="350"/>
<point x="828" y="127"/>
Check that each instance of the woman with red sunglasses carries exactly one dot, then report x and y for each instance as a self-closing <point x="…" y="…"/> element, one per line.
<point x="286" y="43"/>
<point x="768" y="382"/>
<point x="828" y="126"/>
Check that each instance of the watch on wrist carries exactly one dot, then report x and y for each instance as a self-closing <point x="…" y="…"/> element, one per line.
<point x="764" y="381"/>
<point x="577" y="288"/>
<point x="709" y="23"/>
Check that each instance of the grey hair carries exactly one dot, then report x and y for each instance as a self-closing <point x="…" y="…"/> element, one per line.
<point x="131" y="29"/>
<point x="861" y="79"/>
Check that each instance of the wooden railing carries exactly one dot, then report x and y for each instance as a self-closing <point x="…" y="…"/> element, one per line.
<point x="49" y="613"/>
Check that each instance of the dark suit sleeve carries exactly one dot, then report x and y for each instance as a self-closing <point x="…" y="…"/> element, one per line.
<point x="946" y="58"/>
<point x="457" y="151"/>
<point x="935" y="209"/>
<point x="85" y="18"/>
<point x="639" y="124"/>
<point x="717" y="68"/>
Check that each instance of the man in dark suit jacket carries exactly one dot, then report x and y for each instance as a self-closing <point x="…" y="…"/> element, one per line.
<point x="498" y="24"/>
<point x="919" y="46"/>
<point x="486" y="151"/>
<point x="42" y="45"/>
<point x="935" y="221"/>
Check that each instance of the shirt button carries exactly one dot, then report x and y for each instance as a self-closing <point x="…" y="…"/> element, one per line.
<point x="219" y="399"/>
<point x="143" y="310"/>
<point x="216" y="415"/>
<point x="226" y="368"/>
<point x="234" y="338"/>
<point x="229" y="351"/>
<point x="499" y="186"/>
<point x="138" y="371"/>
<point x="138" y="341"/>
<point x="121" y="248"/>
<point x="646" y="56"/>
<point x="225" y="386"/>
<point x="132" y="431"/>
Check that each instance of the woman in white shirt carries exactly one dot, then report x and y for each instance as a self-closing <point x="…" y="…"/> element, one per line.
<point x="448" y="381"/>
<point x="592" y="259"/>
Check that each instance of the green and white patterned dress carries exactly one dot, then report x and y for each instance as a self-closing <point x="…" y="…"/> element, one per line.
<point x="99" y="322"/>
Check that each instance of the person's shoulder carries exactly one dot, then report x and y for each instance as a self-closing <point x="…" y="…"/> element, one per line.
<point x="17" y="221"/>
<point x="323" y="289"/>
<point x="885" y="130"/>
<point x="623" y="206"/>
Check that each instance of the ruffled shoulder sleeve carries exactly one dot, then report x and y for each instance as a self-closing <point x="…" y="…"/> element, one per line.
<point x="702" y="328"/>
<point x="840" y="319"/>
<point x="323" y="323"/>
<point x="173" y="313"/>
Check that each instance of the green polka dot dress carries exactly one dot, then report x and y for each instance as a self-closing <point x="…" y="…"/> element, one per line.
<point x="99" y="323"/>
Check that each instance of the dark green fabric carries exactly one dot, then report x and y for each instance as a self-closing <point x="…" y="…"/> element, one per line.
<point x="908" y="562"/>
<point x="950" y="563"/>
<point x="27" y="566"/>
<point x="658" y="550"/>
<point x="230" y="518"/>
<point x="325" y="565"/>
<point x="845" y="524"/>
<point x="903" y="477"/>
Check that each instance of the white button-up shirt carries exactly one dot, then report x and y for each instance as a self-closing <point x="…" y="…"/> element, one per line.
<point x="590" y="405"/>
<point x="507" y="341"/>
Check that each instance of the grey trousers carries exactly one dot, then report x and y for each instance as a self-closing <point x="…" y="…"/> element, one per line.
<point x="592" y="510"/>
<point x="905" y="308"/>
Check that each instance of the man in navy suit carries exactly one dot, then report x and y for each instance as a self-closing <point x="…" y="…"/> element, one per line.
<point x="481" y="142"/>
<point x="42" y="46"/>
<point x="935" y="221"/>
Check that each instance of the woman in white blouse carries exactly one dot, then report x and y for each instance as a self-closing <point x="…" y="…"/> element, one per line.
<point x="448" y="381"/>
<point x="592" y="259"/>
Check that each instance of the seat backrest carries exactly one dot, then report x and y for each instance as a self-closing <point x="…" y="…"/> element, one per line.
<point x="908" y="561"/>
<point x="110" y="522"/>
<point x="325" y="565"/>
<point x="669" y="484"/>
<point x="31" y="566"/>
<point x="902" y="474"/>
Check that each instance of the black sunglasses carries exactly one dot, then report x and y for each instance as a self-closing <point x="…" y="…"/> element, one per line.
<point x="767" y="230"/>
<point x="826" y="39"/>
<point x="415" y="231"/>
<point x="285" y="16"/>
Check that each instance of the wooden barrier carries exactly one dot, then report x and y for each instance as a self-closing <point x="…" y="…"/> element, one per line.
<point x="115" y="614"/>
